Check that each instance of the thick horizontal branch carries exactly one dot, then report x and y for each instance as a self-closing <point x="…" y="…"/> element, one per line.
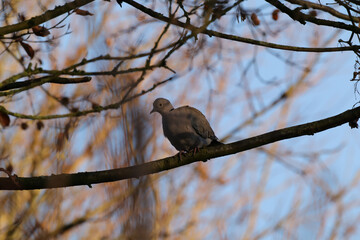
<point x="89" y="178"/>
<point x="324" y="8"/>
<point x="195" y="29"/>
<point x="39" y="81"/>
<point x="50" y="14"/>
<point x="297" y="15"/>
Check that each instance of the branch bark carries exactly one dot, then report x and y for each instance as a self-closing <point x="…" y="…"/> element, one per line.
<point x="212" y="33"/>
<point x="96" y="109"/>
<point x="50" y="14"/>
<point x="297" y="15"/>
<point x="89" y="178"/>
<point x="39" y="81"/>
<point x="323" y="8"/>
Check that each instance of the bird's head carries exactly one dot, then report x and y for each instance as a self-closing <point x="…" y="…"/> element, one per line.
<point x="161" y="105"/>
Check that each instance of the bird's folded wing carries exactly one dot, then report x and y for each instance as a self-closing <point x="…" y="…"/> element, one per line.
<point x="200" y="123"/>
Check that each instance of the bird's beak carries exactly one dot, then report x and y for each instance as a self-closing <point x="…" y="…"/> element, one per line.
<point x="153" y="110"/>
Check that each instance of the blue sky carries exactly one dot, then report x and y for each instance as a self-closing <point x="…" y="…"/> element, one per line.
<point x="326" y="92"/>
<point x="222" y="94"/>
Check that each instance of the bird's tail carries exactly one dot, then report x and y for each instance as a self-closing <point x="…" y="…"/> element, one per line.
<point x="215" y="143"/>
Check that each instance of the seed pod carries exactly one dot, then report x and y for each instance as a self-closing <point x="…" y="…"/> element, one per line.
<point x="255" y="19"/>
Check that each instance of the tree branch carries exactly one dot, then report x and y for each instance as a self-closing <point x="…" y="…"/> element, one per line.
<point x="50" y="14"/>
<point x="42" y="80"/>
<point x="297" y="15"/>
<point x="324" y="8"/>
<point x="95" y="109"/>
<point x="88" y="178"/>
<point x="211" y="33"/>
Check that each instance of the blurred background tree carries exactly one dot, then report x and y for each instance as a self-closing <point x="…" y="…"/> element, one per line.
<point x="77" y="84"/>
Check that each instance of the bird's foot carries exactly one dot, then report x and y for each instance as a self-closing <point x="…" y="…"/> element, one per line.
<point x="180" y="153"/>
<point x="195" y="150"/>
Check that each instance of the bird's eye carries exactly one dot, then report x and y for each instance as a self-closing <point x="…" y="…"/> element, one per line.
<point x="160" y="104"/>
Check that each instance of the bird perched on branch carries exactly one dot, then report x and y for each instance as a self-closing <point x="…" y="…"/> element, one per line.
<point x="185" y="127"/>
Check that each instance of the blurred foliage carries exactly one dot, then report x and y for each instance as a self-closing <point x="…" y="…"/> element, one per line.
<point x="58" y="121"/>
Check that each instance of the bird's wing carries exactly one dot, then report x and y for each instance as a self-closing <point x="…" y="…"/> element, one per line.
<point x="199" y="122"/>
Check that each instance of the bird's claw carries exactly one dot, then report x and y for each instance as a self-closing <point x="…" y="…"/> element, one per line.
<point x="180" y="153"/>
<point x="195" y="150"/>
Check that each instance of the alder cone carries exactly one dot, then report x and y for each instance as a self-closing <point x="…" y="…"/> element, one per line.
<point x="83" y="12"/>
<point x="28" y="49"/>
<point x="4" y="119"/>
<point x="39" y="125"/>
<point x="40" y="31"/>
<point x="255" y="19"/>
<point x="24" y="126"/>
<point x="275" y="14"/>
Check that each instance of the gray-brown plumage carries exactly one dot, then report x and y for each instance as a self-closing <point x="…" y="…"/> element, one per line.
<point x="185" y="127"/>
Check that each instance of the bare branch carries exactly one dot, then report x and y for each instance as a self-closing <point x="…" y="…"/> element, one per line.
<point x="211" y="33"/>
<point x="324" y="8"/>
<point x="50" y="14"/>
<point x="297" y="15"/>
<point x="96" y="108"/>
<point x="39" y="81"/>
<point x="89" y="178"/>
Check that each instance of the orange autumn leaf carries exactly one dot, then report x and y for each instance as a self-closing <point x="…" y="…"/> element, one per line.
<point x="40" y="31"/>
<point x="275" y="14"/>
<point x="83" y="12"/>
<point x="4" y="119"/>
<point x="255" y="19"/>
<point x="28" y="49"/>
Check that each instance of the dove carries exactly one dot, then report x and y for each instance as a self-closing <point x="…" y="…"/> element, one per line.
<point x="185" y="127"/>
